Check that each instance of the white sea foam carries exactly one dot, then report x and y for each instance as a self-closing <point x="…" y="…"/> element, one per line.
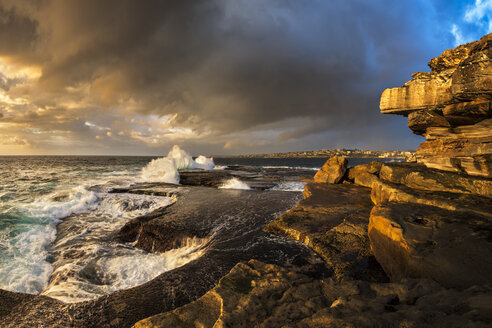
<point x="290" y="186"/>
<point x="292" y="167"/>
<point x="139" y="267"/>
<point x="161" y="170"/>
<point x="130" y="268"/>
<point x="206" y="163"/>
<point x="27" y="270"/>
<point x="24" y="267"/>
<point x="235" y="183"/>
<point x="79" y="200"/>
<point x="181" y="158"/>
<point x="165" y="169"/>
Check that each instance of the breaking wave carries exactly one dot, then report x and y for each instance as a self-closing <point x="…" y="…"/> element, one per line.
<point x="165" y="169"/>
<point x="235" y="183"/>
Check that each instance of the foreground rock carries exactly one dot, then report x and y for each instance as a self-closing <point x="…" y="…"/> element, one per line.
<point x="421" y="241"/>
<point x="451" y="107"/>
<point x="333" y="221"/>
<point x="255" y="294"/>
<point x="332" y="171"/>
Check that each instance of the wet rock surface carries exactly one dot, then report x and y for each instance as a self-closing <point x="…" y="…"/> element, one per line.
<point x="256" y="177"/>
<point x="333" y="220"/>
<point x="265" y="295"/>
<point x="451" y="107"/>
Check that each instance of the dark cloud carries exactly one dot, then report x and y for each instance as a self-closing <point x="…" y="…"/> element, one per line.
<point x="225" y="66"/>
<point x="6" y="83"/>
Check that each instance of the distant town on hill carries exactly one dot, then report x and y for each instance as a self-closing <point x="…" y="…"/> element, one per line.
<point x="332" y="152"/>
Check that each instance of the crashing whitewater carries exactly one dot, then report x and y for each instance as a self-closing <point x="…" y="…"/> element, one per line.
<point x="165" y="169"/>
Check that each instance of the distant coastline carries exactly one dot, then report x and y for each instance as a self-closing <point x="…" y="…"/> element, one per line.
<point x="324" y="153"/>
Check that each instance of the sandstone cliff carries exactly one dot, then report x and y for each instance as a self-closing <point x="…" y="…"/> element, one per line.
<point x="451" y="107"/>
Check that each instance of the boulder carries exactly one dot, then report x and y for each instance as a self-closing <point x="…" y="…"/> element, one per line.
<point x="332" y="171"/>
<point x="422" y="241"/>
<point x="255" y="294"/>
<point x="333" y="221"/>
<point x="372" y="167"/>
<point x="411" y="158"/>
<point x="451" y="107"/>
<point x="365" y="174"/>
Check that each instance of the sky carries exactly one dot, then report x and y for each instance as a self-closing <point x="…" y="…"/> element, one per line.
<point x="217" y="77"/>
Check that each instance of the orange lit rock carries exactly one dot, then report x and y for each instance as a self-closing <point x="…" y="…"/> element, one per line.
<point x="332" y="171"/>
<point x="451" y="107"/>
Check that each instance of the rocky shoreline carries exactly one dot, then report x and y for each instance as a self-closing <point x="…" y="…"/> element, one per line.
<point x="411" y="257"/>
<point x="376" y="245"/>
<point x="428" y="229"/>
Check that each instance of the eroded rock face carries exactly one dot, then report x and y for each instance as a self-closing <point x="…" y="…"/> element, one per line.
<point x="255" y="294"/>
<point x="451" y="107"/>
<point x="422" y="241"/>
<point x="332" y="171"/>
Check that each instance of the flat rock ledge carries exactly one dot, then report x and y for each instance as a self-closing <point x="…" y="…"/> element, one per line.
<point x="332" y="220"/>
<point x="255" y="294"/>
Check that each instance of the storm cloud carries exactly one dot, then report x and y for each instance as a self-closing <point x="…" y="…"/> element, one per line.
<point x="217" y="76"/>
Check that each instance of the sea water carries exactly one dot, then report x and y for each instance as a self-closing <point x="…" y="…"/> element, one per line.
<point x="81" y="261"/>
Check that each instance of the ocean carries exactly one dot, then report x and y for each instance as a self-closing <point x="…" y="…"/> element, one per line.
<point x="43" y="252"/>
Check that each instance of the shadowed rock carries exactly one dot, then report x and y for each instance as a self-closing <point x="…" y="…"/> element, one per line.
<point x="365" y="174"/>
<point x="255" y="294"/>
<point x="421" y="241"/>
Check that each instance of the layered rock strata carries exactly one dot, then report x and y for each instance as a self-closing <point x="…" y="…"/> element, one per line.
<point x="429" y="223"/>
<point x="451" y="107"/>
